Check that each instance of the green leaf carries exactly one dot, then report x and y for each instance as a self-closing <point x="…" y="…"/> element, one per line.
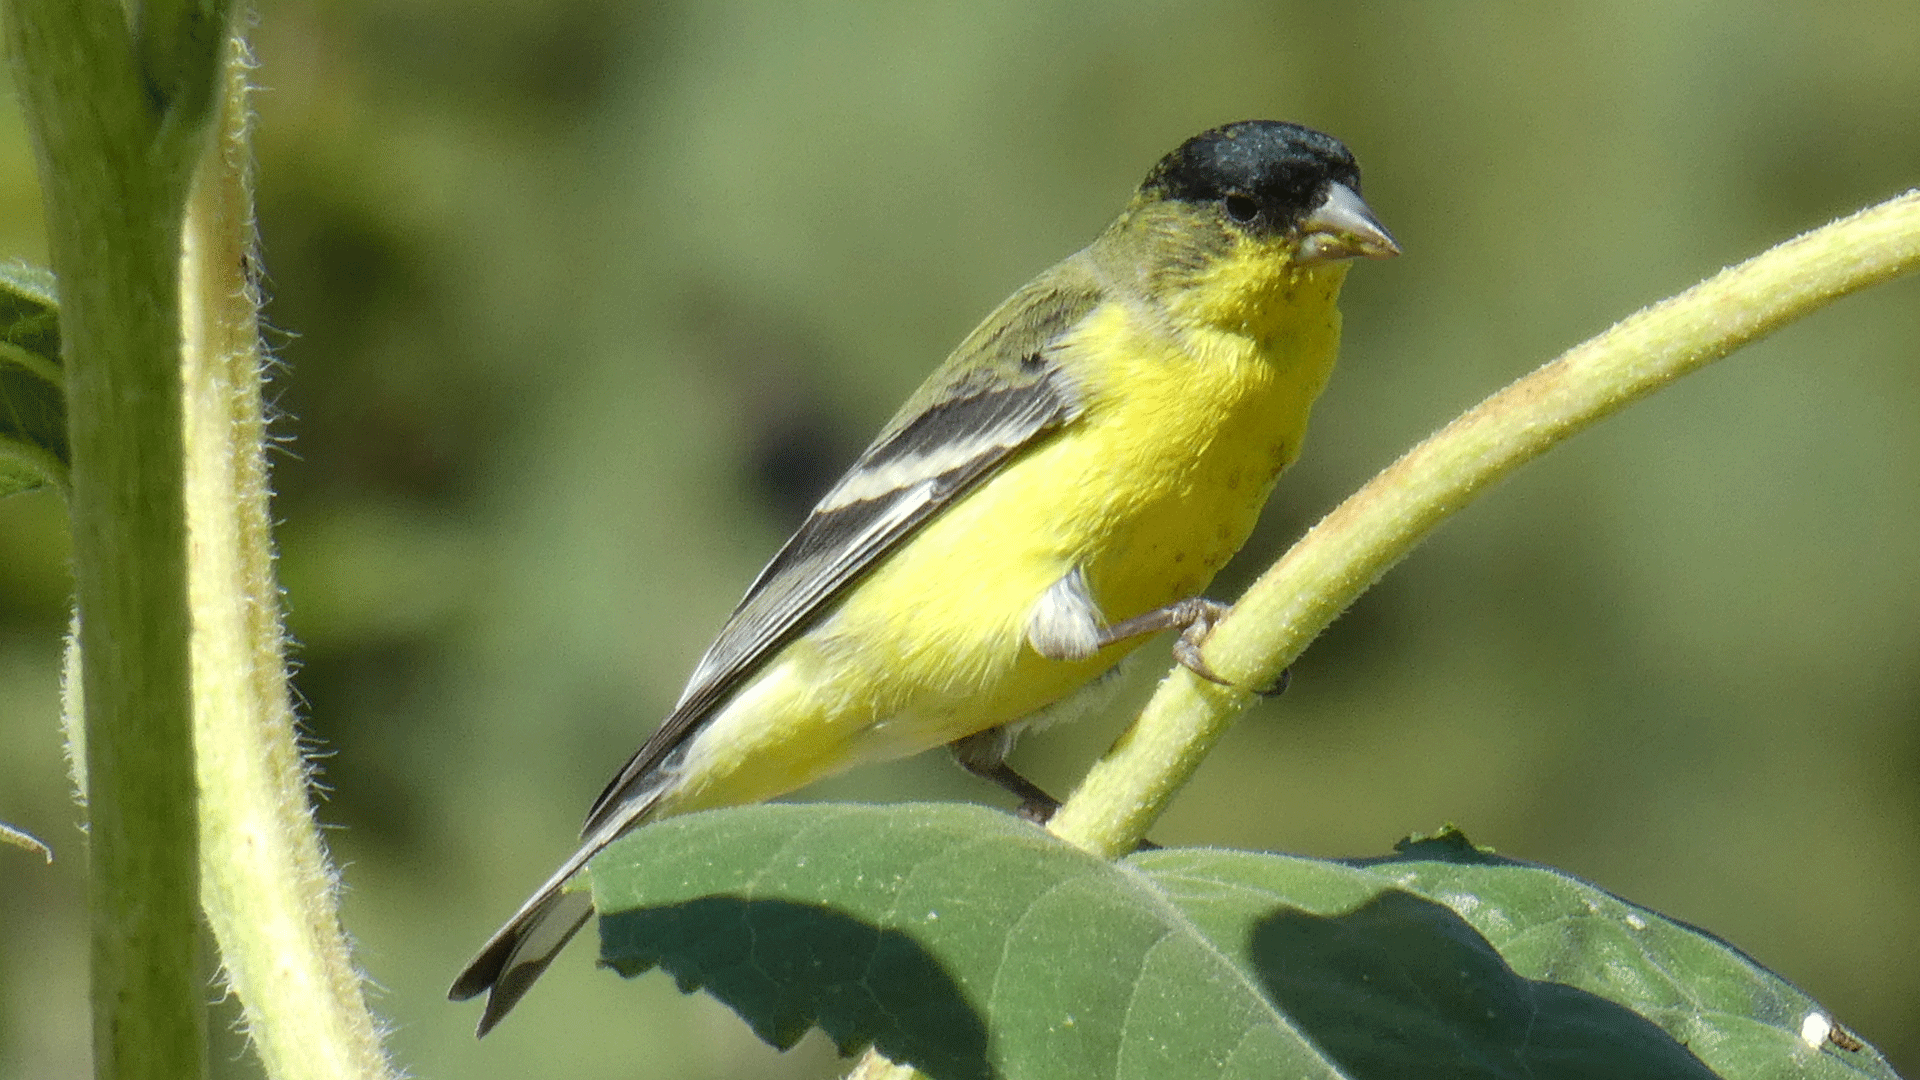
<point x="33" y="408"/>
<point x="1446" y="960"/>
<point x="972" y="945"/>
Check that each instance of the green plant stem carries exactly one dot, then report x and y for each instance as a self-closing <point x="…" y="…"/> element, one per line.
<point x="116" y="151"/>
<point x="1366" y="535"/>
<point x="268" y="891"/>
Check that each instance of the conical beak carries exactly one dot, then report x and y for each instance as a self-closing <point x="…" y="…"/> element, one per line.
<point x="1342" y="227"/>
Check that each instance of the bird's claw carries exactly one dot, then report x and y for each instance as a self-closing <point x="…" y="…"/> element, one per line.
<point x="1201" y="615"/>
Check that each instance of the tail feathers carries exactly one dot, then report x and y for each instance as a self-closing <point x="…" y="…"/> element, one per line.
<point x="517" y="953"/>
<point x="516" y="956"/>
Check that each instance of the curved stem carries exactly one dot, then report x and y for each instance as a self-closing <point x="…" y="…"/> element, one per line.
<point x="1366" y="535"/>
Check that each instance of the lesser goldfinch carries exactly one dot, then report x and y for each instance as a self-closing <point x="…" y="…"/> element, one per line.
<point x="1066" y="483"/>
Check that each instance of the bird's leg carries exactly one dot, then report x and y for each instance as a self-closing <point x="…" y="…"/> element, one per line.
<point x="1194" y="616"/>
<point x="984" y="754"/>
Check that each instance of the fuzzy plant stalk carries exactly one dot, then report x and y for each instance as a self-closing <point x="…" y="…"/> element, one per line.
<point x="267" y="887"/>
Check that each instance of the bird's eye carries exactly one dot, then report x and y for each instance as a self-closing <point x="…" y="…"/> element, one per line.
<point x="1241" y="208"/>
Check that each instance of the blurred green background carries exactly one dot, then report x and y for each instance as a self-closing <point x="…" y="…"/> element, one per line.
<point x="581" y="302"/>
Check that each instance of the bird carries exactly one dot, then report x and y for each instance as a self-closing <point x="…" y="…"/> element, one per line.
<point x="1062" y="487"/>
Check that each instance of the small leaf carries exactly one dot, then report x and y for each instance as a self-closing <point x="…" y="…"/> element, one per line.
<point x="33" y="410"/>
<point x="971" y="945"/>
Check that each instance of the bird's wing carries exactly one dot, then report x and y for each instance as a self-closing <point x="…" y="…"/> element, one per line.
<point x="998" y="394"/>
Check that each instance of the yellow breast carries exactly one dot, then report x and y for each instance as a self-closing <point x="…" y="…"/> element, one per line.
<point x="1184" y="444"/>
<point x="1151" y="490"/>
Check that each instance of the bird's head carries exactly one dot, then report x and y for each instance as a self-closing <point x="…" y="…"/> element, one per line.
<point x="1247" y="210"/>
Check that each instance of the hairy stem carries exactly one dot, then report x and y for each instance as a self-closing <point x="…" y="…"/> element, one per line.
<point x="266" y="885"/>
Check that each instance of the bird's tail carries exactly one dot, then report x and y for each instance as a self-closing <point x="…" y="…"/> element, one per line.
<point x="517" y="953"/>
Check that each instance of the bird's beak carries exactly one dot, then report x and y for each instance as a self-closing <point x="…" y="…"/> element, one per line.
<point x="1342" y="227"/>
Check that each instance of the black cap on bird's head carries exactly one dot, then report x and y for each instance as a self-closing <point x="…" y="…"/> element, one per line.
<point x="1269" y="177"/>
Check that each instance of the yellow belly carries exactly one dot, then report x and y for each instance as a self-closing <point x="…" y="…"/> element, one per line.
<point x="1151" y="490"/>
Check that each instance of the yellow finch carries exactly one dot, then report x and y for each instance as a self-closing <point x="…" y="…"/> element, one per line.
<point x="1064" y="485"/>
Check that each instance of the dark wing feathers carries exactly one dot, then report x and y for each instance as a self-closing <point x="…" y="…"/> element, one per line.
<point x="963" y="424"/>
